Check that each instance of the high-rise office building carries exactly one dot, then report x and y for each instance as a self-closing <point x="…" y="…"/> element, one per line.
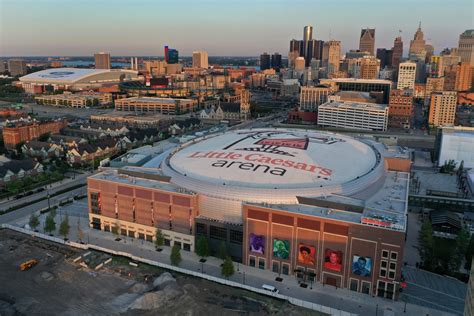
<point x="466" y="47"/>
<point x="433" y="84"/>
<point x="312" y="97"/>
<point x="171" y="55"/>
<point x="331" y="56"/>
<point x="200" y="59"/>
<point x="276" y="61"/>
<point x="406" y="75"/>
<point x="367" y="40"/>
<point x="307" y="37"/>
<point x="442" y="108"/>
<point x="17" y="67"/>
<point x="299" y="64"/>
<point x="102" y="60"/>
<point x="463" y="77"/>
<point x="417" y="50"/>
<point x="318" y="49"/>
<point x="385" y="56"/>
<point x="292" y="55"/>
<point x="296" y="46"/>
<point x="265" y="61"/>
<point x="397" y="52"/>
<point x="369" y="67"/>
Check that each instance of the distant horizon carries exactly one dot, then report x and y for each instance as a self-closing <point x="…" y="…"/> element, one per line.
<point x="245" y="28"/>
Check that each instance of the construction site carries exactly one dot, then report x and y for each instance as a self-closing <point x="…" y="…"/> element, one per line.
<point x="39" y="277"/>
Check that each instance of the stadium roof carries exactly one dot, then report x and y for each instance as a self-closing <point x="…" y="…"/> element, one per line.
<point x="68" y="75"/>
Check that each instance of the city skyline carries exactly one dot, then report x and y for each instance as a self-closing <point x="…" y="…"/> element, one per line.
<point x="243" y="27"/>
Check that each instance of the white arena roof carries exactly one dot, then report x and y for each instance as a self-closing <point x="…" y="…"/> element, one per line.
<point x="70" y="75"/>
<point x="274" y="165"/>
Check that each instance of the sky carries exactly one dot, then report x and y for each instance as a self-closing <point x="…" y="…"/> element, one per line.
<point x="221" y="27"/>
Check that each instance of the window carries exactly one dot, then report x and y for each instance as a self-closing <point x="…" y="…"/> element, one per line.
<point x="276" y="266"/>
<point x="131" y="233"/>
<point x="252" y="261"/>
<point x="383" y="264"/>
<point x="186" y="247"/>
<point x="236" y="237"/>
<point x="393" y="255"/>
<point x="311" y="275"/>
<point x="123" y="232"/>
<point x="201" y="229"/>
<point x="261" y="263"/>
<point x="177" y="243"/>
<point x="391" y="275"/>
<point x="385" y="254"/>
<point x="167" y="242"/>
<point x="218" y="233"/>
<point x="365" y="287"/>
<point x="149" y="238"/>
<point x="354" y="285"/>
<point x="107" y="228"/>
<point x="393" y="265"/>
<point x="285" y="268"/>
<point x="381" y="289"/>
<point x="141" y="236"/>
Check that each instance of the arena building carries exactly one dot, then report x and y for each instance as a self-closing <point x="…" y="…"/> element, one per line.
<point x="321" y="206"/>
<point x="75" y="79"/>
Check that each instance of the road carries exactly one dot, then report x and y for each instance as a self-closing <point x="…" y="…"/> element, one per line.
<point x="61" y="185"/>
<point x="25" y="212"/>
<point x="48" y="111"/>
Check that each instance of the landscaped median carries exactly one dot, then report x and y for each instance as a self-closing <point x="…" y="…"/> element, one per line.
<point x="292" y="300"/>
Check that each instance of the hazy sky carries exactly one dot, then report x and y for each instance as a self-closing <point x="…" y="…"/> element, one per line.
<point x="222" y="27"/>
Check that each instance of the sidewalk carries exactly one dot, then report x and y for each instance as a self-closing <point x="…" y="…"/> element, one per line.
<point x="343" y="299"/>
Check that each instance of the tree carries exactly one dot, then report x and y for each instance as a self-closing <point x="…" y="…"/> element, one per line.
<point x="448" y="166"/>
<point x="202" y="246"/>
<point x="426" y="245"/>
<point x="227" y="268"/>
<point x="175" y="255"/>
<point x="222" y="252"/>
<point x="462" y="245"/>
<point x="64" y="227"/>
<point x="44" y="137"/>
<point x="34" y="221"/>
<point x="50" y="224"/>
<point x="469" y="253"/>
<point x="159" y="238"/>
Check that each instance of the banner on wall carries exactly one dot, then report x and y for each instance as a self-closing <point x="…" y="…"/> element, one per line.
<point x="306" y="254"/>
<point x="257" y="243"/>
<point x="361" y="265"/>
<point x="281" y="249"/>
<point x="333" y="260"/>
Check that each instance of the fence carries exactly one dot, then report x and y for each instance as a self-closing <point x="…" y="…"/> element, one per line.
<point x="292" y="300"/>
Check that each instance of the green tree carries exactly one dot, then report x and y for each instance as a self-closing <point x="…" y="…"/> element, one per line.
<point x="64" y="227"/>
<point x="44" y="137"/>
<point x="50" y="224"/>
<point x="462" y="245"/>
<point x="227" y="268"/>
<point x="159" y="238"/>
<point x="222" y="251"/>
<point x="175" y="255"/>
<point x="34" y="221"/>
<point x="202" y="246"/>
<point x="469" y="253"/>
<point x="426" y="245"/>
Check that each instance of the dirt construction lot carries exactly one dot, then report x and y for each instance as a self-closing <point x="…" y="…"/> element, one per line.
<point x="57" y="285"/>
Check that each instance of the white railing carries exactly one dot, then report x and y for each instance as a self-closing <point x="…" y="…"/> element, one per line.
<point x="292" y="300"/>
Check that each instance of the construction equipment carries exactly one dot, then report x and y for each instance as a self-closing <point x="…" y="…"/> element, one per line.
<point x="28" y="264"/>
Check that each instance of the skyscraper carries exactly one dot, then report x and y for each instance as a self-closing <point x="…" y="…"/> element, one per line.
<point x="276" y="61"/>
<point x="200" y="59"/>
<point x="17" y="67"/>
<point x="171" y="55"/>
<point x="307" y="37"/>
<point x="367" y="40"/>
<point x="417" y="50"/>
<point x="369" y="67"/>
<point x="102" y="60"/>
<point x="385" y="56"/>
<point x="466" y="47"/>
<point x="331" y="56"/>
<point x="296" y="46"/>
<point x="463" y="77"/>
<point x="442" y="108"/>
<point x="397" y="52"/>
<point x="406" y="75"/>
<point x="264" y="61"/>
